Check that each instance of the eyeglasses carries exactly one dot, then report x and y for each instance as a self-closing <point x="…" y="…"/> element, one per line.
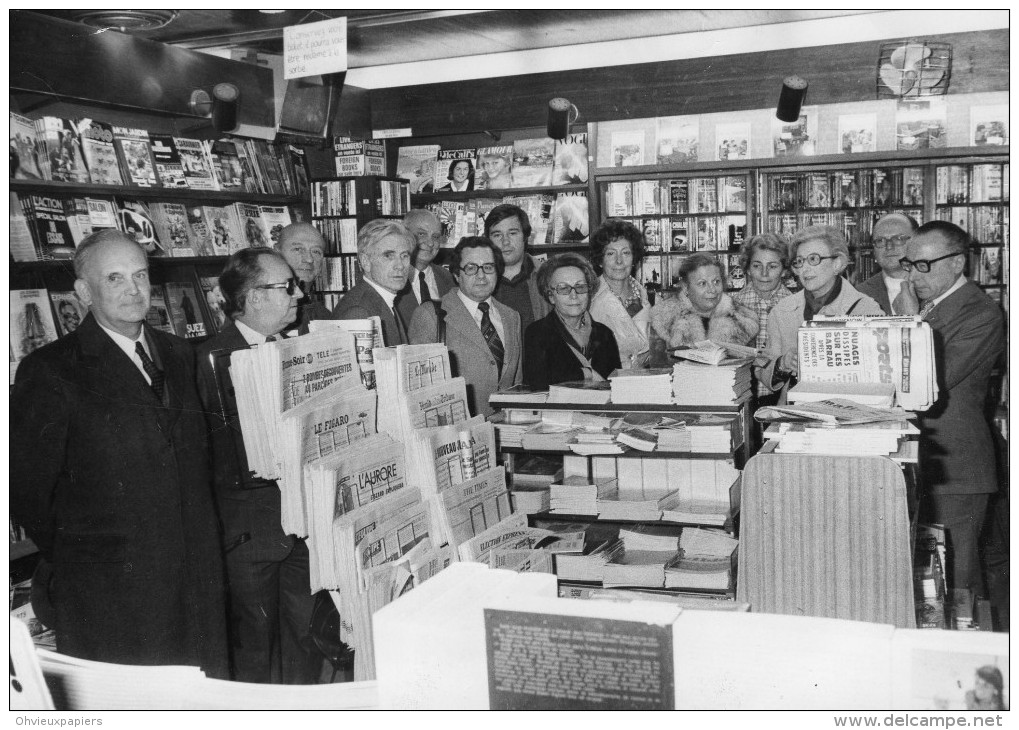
<point x="472" y="269"/>
<point x="887" y="242"/>
<point x="564" y="290"/>
<point x="924" y="265"/>
<point x="812" y="259"/>
<point x="290" y="285"/>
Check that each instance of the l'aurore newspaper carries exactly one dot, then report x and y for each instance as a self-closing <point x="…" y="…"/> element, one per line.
<point x="897" y="350"/>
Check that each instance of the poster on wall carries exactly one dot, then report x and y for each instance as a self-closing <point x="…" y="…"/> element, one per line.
<point x="795" y="139"/>
<point x="920" y="125"/>
<point x="732" y="141"/>
<point x="676" y="139"/>
<point x="627" y="147"/>
<point x="857" y="133"/>
<point x="988" y="125"/>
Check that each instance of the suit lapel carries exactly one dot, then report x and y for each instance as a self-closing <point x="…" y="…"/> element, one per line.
<point x="112" y="366"/>
<point x="459" y="319"/>
<point x="175" y="369"/>
<point x="375" y="302"/>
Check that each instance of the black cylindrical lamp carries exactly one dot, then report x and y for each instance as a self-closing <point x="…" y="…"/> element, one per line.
<point x="224" y="107"/>
<point x="790" y="101"/>
<point x="560" y="111"/>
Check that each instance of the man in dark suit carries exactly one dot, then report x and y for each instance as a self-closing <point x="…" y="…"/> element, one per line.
<point x="957" y="458"/>
<point x="891" y="234"/>
<point x="267" y="570"/>
<point x="428" y="282"/>
<point x="510" y="230"/>
<point x="483" y="335"/>
<point x="384" y="249"/>
<point x="110" y="477"/>
<point x="304" y="249"/>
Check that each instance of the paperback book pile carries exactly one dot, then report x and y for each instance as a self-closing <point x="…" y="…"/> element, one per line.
<point x="642" y="560"/>
<point x="699" y="384"/>
<point x="652" y="386"/>
<point x="583" y="392"/>
<point x="881" y="395"/>
<point x="712" y="434"/>
<point x="899" y="350"/>
<point x="878" y="439"/>
<point x="704" y="561"/>
<point x="576" y="495"/>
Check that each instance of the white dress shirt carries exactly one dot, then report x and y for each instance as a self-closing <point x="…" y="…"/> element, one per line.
<point x="387" y="295"/>
<point x="893" y="286"/>
<point x="493" y="314"/>
<point x="250" y="336"/>
<point x="433" y="285"/>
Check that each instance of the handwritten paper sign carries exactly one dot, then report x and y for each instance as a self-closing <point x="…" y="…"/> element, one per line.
<point x="313" y="49"/>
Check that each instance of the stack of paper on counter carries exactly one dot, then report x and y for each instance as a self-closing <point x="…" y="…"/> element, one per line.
<point x="878" y="439"/>
<point x="366" y="538"/>
<point x="630" y="508"/>
<point x="881" y="395"/>
<point x="897" y="350"/>
<point x="831" y="412"/>
<point x="517" y="394"/>
<point x="584" y="392"/>
<point x="642" y="560"/>
<point x="367" y="335"/>
<point x="510" y="426"/>
<point x="704" y="561"/>
<point x="342" y="483"/>
<point x="686" y="601"/>
<point x="712" y="433"/>
<point x="588" y="566"/>
<point x="316" y="429"/>
<point x="652" y="386"/>
<point x="695" y="384"/>
<point x="581" y="496"/>
<point x="709" y="352"/>
<point x="272" y="379"/>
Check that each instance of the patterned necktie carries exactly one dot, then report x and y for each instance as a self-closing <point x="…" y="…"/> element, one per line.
<point x="425" y="294"/>
<point x="926" y="309"/>
<point x="492" y="336"/>
<point x="156" y="375"/>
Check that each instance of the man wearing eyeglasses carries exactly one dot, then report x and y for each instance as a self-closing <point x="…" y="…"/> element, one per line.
<point x="482" y="334"/>
<point x="891" y="234"/>
<point x="428" y="282"/>
<point x="957" y="457"/>
<point x="267" y="570"/>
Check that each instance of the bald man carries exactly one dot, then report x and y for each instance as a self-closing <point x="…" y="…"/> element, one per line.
<point x="304" y="249"/>
<point x="110" y="476"/>
<point x="427" y="281"/>
<point x="891" y="235"/>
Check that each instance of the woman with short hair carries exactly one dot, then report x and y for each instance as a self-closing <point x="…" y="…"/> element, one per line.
<point x="621" y="302"/>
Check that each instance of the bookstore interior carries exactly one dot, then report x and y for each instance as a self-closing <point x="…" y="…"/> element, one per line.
<point x="509" y="359"/>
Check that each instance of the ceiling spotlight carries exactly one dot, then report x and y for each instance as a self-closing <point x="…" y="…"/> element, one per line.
<point x="125" y="20"/>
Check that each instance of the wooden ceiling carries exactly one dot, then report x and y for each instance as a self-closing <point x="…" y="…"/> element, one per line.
<point x="380" y="37"/>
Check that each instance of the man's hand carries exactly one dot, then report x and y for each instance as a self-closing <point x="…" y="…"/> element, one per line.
<point x="790" y="363"/>
<point x="906" y="301"/>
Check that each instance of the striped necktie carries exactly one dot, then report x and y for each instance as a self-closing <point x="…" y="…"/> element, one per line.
<point x="491" y="336"/>
<point x="926" y="310"/>
<point x="157" y="376"/>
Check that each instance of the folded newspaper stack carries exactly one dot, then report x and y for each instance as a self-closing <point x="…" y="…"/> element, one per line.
<point x="695" y="384"/>
<point x="641" y="386"/>
<point x="273" y="379"/>
<point x="367" y="334"/>
<point x="897" y="350"/>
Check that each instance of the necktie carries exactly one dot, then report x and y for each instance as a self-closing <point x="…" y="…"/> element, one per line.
<point x="492" y="336"/>
<point x="270" y="338"/>
<point x="156" y="375"/>
<point x="401" y="331"/>
<point x="926" y="309"/>
<point x="425" y="294"/>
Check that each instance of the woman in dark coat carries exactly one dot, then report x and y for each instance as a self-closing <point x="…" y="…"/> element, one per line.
<point x="567" y="345"/>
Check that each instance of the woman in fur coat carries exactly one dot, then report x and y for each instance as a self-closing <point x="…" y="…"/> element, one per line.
<point x="701" y="311"/>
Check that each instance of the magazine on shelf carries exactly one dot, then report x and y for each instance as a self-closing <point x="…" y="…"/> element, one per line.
<point x="28" y="151"/>
<point x="172" y="229"/>
<point x="70" y="311"/>
<point x="495" y="168"/>
<point x="168" y="163"/>
<point x="455" y="170"/>
<point x="65" y="160"/>
<point x="627" y="147"/>
<point x="732" y="141"/>
<point x="135" y="152"/>
<point x="795" y="139"/>
<point x="570" y="220"/>
<point x="570" y="160"/>
<point x="988" y="125"/>
<point x="214" y="300"/>
<point x="857" y="133"/>
<point x="100" y="154"/>
<point x="676" y="140"/>
<point x="921" y="124"/>
<point x="31" y="321"/>
<point x="533" y="160"/>
<point x="158" y="315"/>
<point x="186" y="313"/>
<point x="416" y="163"/>
<point x="196" y="163"/>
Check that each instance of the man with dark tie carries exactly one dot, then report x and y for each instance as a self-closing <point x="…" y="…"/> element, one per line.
<point x="110" y="477"/>
<point x="891" y="234"/>
<point x="267" y="570"/>
<point x="428" y="282"/>
<point x="957" y="458"/>
<point x="483" y="334"/>
<point x="304" y="249"/>
<point x="384" y="249"/>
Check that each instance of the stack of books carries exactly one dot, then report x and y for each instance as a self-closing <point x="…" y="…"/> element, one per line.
<point x="580" y="496"/>
<point x="643" y="559"/>
<point x="711" y="385"/>
<point x="711" y="434"/>
<point x="877" y="439"/>
<point x="704" y="561"/>
<point x="652" y="386"/>
<point x="584" y="392"/>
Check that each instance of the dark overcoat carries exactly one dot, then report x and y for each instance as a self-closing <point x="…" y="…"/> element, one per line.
<point x="114" y="488"/>
<point x="548" y="359"/>
<point x="361" y="302"/>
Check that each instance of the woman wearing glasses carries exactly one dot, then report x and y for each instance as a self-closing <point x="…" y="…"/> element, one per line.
<point x="568" y="345"/>
<point x="702" y="310"/>
<point x="621" y="301"/>
<point x="819" y="256"/>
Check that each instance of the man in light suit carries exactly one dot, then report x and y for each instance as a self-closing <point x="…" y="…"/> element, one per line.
<point x="428" y="282"/>
<point x="304" y="249"/>
<point x="384" y="249"/>
<point x="483" y="335"/>
<point x="110" y="476"/>
<point x="957" y="458"/>
<point x="268" y="571"/>
<point x="891" y="234"/>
